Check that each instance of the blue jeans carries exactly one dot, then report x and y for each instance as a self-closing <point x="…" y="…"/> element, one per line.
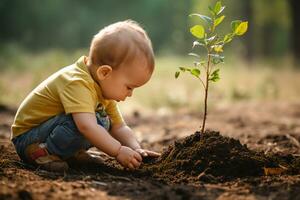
<point x="60" y="134"/>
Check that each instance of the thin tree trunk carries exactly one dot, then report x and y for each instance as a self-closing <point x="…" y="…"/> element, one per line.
<point x="248" y="8"/>
<point x="206" y="93"/>
<point x="295" y="7"/>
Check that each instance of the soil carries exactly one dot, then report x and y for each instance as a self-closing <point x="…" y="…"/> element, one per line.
<point x="211" y="157"/>
<point x="256" y="156"/>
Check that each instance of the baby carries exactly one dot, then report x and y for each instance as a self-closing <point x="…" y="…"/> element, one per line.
<point x="76" y="108"/>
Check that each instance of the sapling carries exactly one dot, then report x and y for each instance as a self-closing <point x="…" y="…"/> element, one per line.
<point x="207" y="38"/>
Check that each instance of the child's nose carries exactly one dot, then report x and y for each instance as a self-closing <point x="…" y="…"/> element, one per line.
<point x="130" y="93"/>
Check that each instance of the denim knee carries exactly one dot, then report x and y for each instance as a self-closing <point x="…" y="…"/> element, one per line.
<point x="60" y="134"/>
<point x="65" y="140"/>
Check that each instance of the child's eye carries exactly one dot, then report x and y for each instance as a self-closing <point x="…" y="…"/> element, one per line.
<point x="129" y="88"/>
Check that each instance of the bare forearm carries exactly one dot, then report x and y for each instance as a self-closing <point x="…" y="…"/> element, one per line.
<point x="102" y="140"/>
<point x="126" y="136"/>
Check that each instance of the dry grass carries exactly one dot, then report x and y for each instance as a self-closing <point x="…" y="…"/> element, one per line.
<point x="238" y="82"/>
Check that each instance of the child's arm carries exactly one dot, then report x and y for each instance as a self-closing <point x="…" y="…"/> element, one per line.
<point x="100" y="138"/>
<point x="125" y="135"/>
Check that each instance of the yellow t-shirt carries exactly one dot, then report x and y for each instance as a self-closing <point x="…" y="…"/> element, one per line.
<point x="70" y="90"/>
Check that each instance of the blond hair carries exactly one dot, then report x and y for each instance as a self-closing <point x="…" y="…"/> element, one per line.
<point x="120" y="42"/>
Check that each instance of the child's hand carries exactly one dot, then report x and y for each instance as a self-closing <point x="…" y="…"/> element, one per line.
<point x="145" y="153"/>
<point x="129" y="158"/>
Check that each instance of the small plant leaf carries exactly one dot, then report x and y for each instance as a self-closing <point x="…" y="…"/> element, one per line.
<point x="198" y="31"/>
<point x="199" y="63"/>
<point x="218" y="8"/>
<point x="241" y="29"/>
<point x="235" y="24"/>
<point x="177" y="74"/>
<point x="203" y="17"/>
<point x="216" y="59"/>
<point x="219" y="20"/>
<point x="218" y="48"/>
<point x="183" y="69"/>
<point x="212" y="11"/>
<point x="195" y="72"/>
<point x="214" y="77"/>
<point x="194" y="54"/>
<point x="228" y="38"/>
<point x="211" y="39"/>
<point x="197" y="43"/>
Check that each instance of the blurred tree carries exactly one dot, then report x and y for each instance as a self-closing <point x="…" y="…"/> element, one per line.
<point x="249" y="37"/>
<point x="295" y="7"/>
<point x="71" y="24"/>
<point x="272" y="23"/>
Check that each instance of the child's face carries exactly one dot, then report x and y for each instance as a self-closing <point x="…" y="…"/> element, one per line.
<point x="120" y="83"/>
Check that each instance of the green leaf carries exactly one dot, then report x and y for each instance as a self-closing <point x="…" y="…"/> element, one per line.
<point x="195" y="72"/>
<point x="228" y="38"/>
<point x="241" y="29"/>
<point x="215" y="75"/>
<point x="216" y="59"/>
<point x="218" y="8"/>
<point x="218" y="48"/>
<point x="194" y="54"/>
<point x="203" y="17"/>
<point x="211" y="39"/>
<point x="197" y="43"/>
<point x="182" y="69"/>
<point x="212" y="11"/>
<point x="235" y="24"/>
<point x="199" y="63"/>
<point x="197" y="31"/>
<point x="215" y="72"/>
<point x="219" y="20"/>
<point x="177" y="74"/>
<point x="216" y="56"/>
<point x="215" y="79"/>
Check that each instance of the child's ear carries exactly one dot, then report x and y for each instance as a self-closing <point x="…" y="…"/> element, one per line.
<point x="103" y="72"/>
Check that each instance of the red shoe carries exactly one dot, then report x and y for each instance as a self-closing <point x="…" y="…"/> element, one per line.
<point x="37" y="154"/>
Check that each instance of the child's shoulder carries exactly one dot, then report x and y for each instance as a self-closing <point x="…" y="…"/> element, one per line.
<point x="75" y="72"/>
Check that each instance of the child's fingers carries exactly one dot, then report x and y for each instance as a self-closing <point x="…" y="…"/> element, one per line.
<point x="135" y="163"/>
<point x="130" y="166"/>
<point x="153" y="154"/>
<point x="142" y="152"/>
<point x="138" y="157"/>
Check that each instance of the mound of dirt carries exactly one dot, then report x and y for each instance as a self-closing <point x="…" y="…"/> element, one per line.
<point x="208" y="157"/>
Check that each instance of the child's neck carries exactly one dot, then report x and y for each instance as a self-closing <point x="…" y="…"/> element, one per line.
<point x="91" y="68"/>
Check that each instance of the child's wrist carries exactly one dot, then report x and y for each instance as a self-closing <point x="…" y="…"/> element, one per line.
<point x="118" y="151"/>
<point x="137" y="147"/>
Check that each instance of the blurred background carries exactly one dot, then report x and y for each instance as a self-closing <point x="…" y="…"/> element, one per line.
<point x="39" y="37"/>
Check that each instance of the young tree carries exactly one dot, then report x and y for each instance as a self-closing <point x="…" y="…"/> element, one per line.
<point x="213" y="43"/>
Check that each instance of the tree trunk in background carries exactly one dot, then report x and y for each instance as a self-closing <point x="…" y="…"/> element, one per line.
<point x="295" y="8"/>
<point x="249" y="39"/>
<point x="268" y="41"/>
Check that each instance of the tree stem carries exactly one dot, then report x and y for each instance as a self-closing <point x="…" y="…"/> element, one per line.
<point x="206" y="93"/>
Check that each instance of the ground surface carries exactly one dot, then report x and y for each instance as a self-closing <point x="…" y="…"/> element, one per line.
<point x="267" y="127"/>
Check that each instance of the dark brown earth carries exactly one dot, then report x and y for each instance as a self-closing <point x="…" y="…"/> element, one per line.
<point x="255" y="137"/>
